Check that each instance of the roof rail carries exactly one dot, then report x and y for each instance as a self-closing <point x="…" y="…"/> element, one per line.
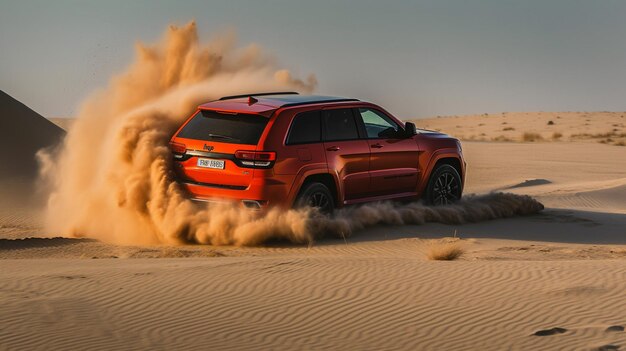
<point x="325" y="101"/>
<point x="258" y="94"/>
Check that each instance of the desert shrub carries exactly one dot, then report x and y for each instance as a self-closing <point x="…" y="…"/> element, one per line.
<point x="508" y="128"/>
<point x="528" y="136"/>
<point x="445" y="251"/>
<point x="550" y="123"/>
<point x="501" y="138"/>
<point x="556" y="136"/>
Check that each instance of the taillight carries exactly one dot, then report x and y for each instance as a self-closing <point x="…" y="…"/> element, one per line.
<point x="178" y="148"/>
<point x="260" y="159"/>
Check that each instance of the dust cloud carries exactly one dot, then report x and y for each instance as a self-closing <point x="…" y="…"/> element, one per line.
<point x="470" y="209"/>
<point x="112" y="179"/>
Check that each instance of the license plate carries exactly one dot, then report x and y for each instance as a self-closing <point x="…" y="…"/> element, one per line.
<point x="210" y="163"/>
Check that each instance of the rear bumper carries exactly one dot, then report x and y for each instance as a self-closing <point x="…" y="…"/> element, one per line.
<point x="254" y="205"/>
<point x="260" y="194"/>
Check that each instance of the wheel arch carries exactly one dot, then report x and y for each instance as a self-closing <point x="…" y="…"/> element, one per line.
<point x="323" y="177"/>
<point x="449" y="157"/>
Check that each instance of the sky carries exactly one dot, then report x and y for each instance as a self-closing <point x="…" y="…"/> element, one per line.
<point x="415" y="58"/>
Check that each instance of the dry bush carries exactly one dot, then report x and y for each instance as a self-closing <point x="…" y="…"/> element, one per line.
<point x="508" y="128"/>
<point x="550" y="123"/>
<point x="599" y="135"/>
<point x="556" y="136"/>
<point x="620" y="143"/>
<point x="444" y="251"/>
<point x="528" y="136"/>
<point x="501" y="138"/>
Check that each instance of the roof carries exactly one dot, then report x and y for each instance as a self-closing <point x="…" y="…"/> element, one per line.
<point x="266" y="104"/>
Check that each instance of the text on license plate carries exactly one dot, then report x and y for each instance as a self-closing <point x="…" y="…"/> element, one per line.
<point x="210" y="163"/>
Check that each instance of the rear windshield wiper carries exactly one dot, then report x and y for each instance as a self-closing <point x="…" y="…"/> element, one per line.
<point x="219" y="136"/>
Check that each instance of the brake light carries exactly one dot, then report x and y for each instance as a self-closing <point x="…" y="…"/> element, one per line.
<point x="256" y="158"/>
<point x="178" y="148"/>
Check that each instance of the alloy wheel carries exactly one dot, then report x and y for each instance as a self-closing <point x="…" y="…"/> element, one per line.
<point x="446" y="189"/>
<point x="321" y="201"/>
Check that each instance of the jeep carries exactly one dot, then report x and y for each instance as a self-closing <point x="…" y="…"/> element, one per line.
<point x="289" y="150"/>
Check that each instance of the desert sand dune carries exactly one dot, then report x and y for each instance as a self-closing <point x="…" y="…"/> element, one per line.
<point x="24" y="132"/>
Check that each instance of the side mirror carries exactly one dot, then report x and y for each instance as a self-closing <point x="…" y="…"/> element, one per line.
<point x="410" y="129"/>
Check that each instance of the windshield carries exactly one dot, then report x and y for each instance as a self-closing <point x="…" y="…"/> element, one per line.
<point x="226" y="128"/>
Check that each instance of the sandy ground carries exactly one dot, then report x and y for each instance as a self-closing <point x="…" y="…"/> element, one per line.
<point x="602" y="127"/>
<point x="551" y="281"/>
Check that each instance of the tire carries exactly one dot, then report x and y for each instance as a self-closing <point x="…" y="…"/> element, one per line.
<point x="444" y="186"/>
<point x="316" y="195"/>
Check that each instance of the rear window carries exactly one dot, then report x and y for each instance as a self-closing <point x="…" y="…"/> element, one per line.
<point x="225" y="128"/>
<point x="305" y="128"/>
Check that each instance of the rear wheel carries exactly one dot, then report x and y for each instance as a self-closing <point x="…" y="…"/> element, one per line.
<point x="444" y="186"/>
<point x="316" y="195"/>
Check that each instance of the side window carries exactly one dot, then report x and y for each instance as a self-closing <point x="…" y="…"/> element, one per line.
<point x="377" y="125"/>
<point x="305" y="128"/>
<point x="339" y="124"/>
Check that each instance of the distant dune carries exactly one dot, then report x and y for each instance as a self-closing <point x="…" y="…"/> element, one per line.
<point x="23" y="132"/>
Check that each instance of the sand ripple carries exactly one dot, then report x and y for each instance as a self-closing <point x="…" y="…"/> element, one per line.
<point x="321" y="302"/>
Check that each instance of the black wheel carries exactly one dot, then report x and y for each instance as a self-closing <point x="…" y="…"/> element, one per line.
<point x="444" y="186"/>
<point x="316" y="195"/>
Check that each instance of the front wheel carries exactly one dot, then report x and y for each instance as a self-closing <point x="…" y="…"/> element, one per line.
<point x="316" y="195"/>
<point x="444" y="186"/>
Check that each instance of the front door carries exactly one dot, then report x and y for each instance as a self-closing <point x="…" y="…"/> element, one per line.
<point x="394" y="158"/>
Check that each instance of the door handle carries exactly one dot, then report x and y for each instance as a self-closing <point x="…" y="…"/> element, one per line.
<point x="333" y="148"/>
<point x="377" y="146"/>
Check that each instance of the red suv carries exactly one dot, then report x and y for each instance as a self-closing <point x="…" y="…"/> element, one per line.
<point x="291" y="150"/>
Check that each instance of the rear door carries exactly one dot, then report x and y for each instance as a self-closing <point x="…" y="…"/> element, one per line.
<point x="393" y="165"/>
<point x="346" y="153"/>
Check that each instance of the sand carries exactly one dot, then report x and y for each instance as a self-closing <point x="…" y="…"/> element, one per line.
<point x="601" y="127"/>
<point x="555" y="280"/>
<point x="342" y="299"/>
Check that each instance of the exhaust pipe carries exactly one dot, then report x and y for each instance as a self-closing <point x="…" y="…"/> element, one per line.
<point x="251" y="204"/>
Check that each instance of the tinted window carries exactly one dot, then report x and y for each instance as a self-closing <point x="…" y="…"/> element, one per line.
<point x="225" y="128"/>
<point x="377" y="125"/>
<point x="339" y="124"/>
<point x="305" y="128"/>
